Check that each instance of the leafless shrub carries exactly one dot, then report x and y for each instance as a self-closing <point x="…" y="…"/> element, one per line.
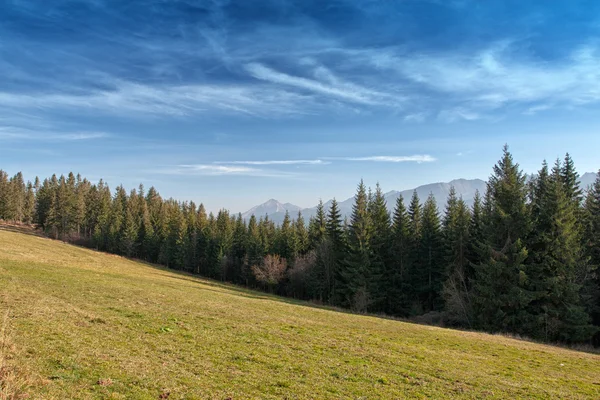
<point x="271" y="271"/>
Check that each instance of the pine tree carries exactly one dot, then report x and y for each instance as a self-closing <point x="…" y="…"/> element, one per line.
<point x="381" y="234"/>
<point x="501" y="297"/>
<point x="301" y="233"/>
<point x="130" y="228"/>
<point x="356" y="269"/>
<point x="62" y="213"/>
<point x="317" y="229"/>
<point x="591" y="244"/>
<point x="255" y="251"/>
<point x="15" y="205"/>
<point x="4" y="193"/>
<point x="29" y="205"/>
<point x="570" y="180"/>
<point x="457" y="287"/>
<point x="83" y="187"/>
<point x="398" y="289"/>
<point x="330" y="254"/>
<point x="239" y="249"/>
<point x="429" y="273"/>
<point x="286" y="245"/>
<point x="145" y="236"/>
<point x="476" y="233"/>
<point x="556" y="257"/>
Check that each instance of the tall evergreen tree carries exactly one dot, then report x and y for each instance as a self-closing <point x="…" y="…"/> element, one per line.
<point x="501" y="297"/>
<point x="355" y="272"/>
<point x="430" y="271"/>
<point x="398" y="288"/>
<point x="591" y="243"/>
<point x="301" y="233"/>
<point x="4" y="193"/>
<point x="457" y="287"/>
<point x="555" y="258"/>
<point x="317" y="226"/>
<point x="380" y="243"/>
<point x="331" y="253"/>
<point x="29" y="204"/>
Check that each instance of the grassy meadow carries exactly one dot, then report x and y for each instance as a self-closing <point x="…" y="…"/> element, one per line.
<point x="78" y="324"/>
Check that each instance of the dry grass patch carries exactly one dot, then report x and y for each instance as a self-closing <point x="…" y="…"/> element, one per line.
<point x="14" y="380"/>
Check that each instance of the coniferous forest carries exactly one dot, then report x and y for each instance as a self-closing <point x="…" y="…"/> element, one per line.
<point x="522" y="260"/>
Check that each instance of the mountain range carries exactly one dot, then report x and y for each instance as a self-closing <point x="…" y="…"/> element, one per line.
<point x="465" y="188"/>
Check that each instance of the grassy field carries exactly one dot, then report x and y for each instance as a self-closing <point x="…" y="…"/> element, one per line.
<point x="80" y="324"/>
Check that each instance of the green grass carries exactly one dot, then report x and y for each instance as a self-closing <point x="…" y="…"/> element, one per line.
<point x="90" y="325"/>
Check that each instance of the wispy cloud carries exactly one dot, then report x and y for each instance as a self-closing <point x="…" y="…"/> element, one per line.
<point x="392" y="159"/>
<point x="500" y="75"/>
<point x="128" y="98"/>
<point x="23" y="134"/>
<point x="329" y="85"/>
<point x="416" y="117"/>
<point x="458" y="114"/>
<point x="275" y="162"/>
<point x="218" y="170"/>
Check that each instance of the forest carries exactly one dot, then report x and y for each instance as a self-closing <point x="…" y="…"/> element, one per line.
<point x="522" y="260"/>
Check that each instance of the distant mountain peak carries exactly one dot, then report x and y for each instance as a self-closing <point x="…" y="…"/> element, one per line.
<point x="270" y="207"/>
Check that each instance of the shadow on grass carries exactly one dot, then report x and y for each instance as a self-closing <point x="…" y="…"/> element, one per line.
<point x="20" y="228"/>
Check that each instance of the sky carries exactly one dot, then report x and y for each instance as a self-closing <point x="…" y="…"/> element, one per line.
<point x="231" y="103"/>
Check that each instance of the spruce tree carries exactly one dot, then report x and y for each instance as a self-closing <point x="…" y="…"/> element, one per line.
<point x="29" y="205"/>
<point x="202" y="240"/>
<point x="381" y="234"/>
<point x="555" y="256"/>
<point x="130" y="229"/>
<point x="301" y="233"/>
<point x="457" y="287"/>
<point x="331" y="253"/>
<point x="317" y="226"/>
<point x="286" y="245"/>
<point x="398" y="288"/>
<point x="591" y="245"/>
<point x="4" y="191"/>
<point x="430" y="271"/>
<point x="501" y="297"/>
<point x="355" y="271"/>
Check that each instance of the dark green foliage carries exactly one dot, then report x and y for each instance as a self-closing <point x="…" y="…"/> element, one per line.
<point x="501" y="295"/>
<point x="381" y="234"/>
<point x="429" y="273"/>
<point x="456" y="238"/>
<point x="355" y="273"/>
<point x="397" y="277"/>
<point x="591" y="247"/>
<point x="317" y="229"/>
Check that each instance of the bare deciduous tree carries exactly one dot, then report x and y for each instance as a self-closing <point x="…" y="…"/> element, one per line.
<point x="271" y="271"/>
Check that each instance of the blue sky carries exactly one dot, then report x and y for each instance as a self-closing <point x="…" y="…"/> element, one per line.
<point x="231" y="103"/>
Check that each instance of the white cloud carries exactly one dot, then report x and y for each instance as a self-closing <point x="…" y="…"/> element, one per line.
<point x="18" y="134"/>
<point x="535" y="109"/>
<point x="217" y="170"/>
<point x="498" y="75"/>
<point x="334" y="87"/>
<point x="130" y="98"/>
<point x="417" y="117"/>
<point x="393" y="159"/>
<point x="458" y="114"/>
<point x="276" y="162"/>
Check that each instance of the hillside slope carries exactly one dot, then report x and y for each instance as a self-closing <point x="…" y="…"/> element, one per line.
<point x="89" y="325"/>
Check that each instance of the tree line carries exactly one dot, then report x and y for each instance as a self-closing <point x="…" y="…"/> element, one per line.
<point x="521" y="260"/>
